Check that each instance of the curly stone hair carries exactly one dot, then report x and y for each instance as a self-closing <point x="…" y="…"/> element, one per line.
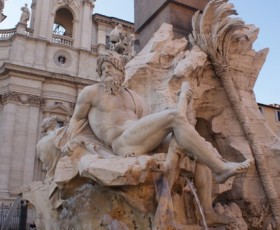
<point x="116" y="61"/>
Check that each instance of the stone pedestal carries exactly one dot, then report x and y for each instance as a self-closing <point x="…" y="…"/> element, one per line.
<point x="149" y="16"/>
<point x="21" y="27"/>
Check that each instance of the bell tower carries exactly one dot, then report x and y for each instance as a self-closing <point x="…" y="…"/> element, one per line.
<point x="63" y="21"/>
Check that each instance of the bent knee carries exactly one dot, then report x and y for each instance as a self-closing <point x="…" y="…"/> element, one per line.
<point x="176" y="116"/>
<point x="173" y="113"/>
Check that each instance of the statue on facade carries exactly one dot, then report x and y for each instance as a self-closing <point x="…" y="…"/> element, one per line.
<point x="2" y="5"/>
<point x="25" y="14"/>
<point x="122" y="42"/>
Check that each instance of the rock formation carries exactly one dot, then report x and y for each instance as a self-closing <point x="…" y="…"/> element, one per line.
<point x="209" y="78"/>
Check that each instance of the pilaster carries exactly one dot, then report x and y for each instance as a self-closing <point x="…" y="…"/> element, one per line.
<point x="18" y="136"/>
<point x="6" y="141"/>
<point x="86" y="25"/>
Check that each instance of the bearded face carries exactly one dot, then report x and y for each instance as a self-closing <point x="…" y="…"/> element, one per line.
<point x="112" y="84"/>
<point x="111" y="78"/>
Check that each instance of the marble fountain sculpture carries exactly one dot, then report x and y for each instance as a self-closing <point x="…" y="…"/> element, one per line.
<point x="171" y="138"/>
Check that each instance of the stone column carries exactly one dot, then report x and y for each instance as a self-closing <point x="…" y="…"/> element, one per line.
<point x="24" y="142"/>
<point x="6" y="141"/>
<point x="86" y="25"/>
<point x="40" y="51"/>
<point x="18" y="49"/>
<point x="18" y="137"/>
<point x="31" y="139"/>
<point x="43" y="19"/>
<point x="101" y="38"/>
<point x="76" y="33"/>
<point x="49" y="33"/>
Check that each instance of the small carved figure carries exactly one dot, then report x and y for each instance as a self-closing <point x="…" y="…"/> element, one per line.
<point x="115" y="117"/>
<point x="25" y="15"/>
<point x="115" y="34"/>
<point x="47" y="151"/>
<point x="122" y="42"/>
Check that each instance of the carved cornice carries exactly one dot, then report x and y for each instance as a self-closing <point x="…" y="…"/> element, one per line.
<point x="21" y="98"/>
<point x="112" y="21"/>
<point x="34" y="101"/>
<point x="36" y="74"/>
<point x="10" y="97"/>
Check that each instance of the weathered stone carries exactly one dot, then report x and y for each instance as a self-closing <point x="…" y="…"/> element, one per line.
<point x="125" y="165"/>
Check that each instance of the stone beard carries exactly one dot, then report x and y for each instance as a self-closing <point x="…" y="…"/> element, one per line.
<point x="113" y="82"/>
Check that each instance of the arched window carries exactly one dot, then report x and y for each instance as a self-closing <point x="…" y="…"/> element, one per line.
<point x="63" y="22"/>
<point x="58" y="29"/>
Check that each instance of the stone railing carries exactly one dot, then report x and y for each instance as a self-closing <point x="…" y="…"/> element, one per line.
<point x="29" y="31"/>
<point x="62" y="40"/>
<point x="7" y="34"/>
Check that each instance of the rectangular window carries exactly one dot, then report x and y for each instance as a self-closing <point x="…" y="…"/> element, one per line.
<point x="108" y="42"/>
<point x="277" y="115"/>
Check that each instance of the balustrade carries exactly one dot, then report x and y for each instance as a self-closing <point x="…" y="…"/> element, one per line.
<point x="7" y="34"/>
<point x="62" y="40"/>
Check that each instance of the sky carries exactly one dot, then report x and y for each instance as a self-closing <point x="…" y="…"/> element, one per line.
<point x="263" y="14"/>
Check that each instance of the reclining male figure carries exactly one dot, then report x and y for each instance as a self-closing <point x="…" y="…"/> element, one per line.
<point x="115" y="116"/>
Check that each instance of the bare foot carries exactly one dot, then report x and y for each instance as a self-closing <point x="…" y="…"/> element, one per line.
<point x="232" y="169"/>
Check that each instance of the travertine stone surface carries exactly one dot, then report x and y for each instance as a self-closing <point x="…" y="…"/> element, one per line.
<point x="116" y="174"/>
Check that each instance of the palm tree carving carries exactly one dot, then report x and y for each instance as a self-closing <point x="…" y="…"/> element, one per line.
<point x="214" y="31"/>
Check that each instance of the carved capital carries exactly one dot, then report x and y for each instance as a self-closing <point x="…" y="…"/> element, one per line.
<point x="20" y="98"/>
<point x="91" y="2"/>
<point x="10" y="97"/>
<point x="34" y="101"/>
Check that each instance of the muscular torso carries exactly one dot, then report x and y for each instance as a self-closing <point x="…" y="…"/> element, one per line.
<point x="109" y="114"/>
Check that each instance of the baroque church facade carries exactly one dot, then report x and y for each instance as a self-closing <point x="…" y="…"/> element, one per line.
<point x="42" y="69"/>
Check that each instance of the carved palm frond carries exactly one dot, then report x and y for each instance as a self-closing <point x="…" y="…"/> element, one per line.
<point x="214" y="30"/>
